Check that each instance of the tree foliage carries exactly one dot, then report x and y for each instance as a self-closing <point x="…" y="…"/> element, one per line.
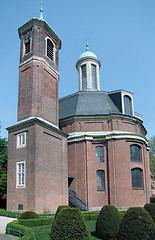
<point x="152" y="156"/>
<point x="3" y="165"/>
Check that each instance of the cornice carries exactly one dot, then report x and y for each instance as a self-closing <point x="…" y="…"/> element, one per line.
<point x="34" y="58"/>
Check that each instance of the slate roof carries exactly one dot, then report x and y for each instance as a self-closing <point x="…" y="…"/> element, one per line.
<point x="87" y="103"/>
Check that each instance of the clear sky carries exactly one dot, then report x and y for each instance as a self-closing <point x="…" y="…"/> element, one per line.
<point x="121" y="33"/>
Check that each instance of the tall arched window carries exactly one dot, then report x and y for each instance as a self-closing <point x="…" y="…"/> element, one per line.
<point x="100" y="175"/>
<point x="99" y="154"/>
<point x="93" y="74"/>
<point x="137" y="178"/>
<point x="135" y="153"/>
<point x="84" y="77"/>
<point x="50" y="49"/>
<point x="127" y="105"/>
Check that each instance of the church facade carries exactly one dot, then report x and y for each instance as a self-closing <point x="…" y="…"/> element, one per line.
<point x="87" y="149"/>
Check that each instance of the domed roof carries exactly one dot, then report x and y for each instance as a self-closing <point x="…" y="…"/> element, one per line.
<point x="87" y="53"/>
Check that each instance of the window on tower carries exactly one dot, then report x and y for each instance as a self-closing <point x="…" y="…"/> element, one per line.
<point x="20" y="174"/>
<point x="84" y="77"/>
<point x="21" y="140"/>
<point x="93" y="73"/>
<point x="50" y="49"/>
<point x="27" y="47"/>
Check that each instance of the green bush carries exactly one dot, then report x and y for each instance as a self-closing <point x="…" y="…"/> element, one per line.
<point x="60" y="208"/>
<point x="137" y="224"/>
<point x="152" y="199"/>
<point x="150" y="207"/>
<point x="69" y="224"/>
<point x="29" y="215"/>
<point x="108" y="222"/>
<point x="36" y="222"/>
<point x="28" y="232"/>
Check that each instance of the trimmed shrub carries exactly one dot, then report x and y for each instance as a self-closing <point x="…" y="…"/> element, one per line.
<point x="36" y="222"/>
<point x="60" y="208"/>
<point x="29" y="215"/>
<point x="28" y="232"/>
<point x="137" y="224"/>
<point x="108" y="222"/>
<point x="69" y="224"/>
<point x="150" y="207"/>
<point x="152" y="199"/>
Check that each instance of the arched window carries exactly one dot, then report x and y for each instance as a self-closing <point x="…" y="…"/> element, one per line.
<point x="93" y="73"/>
<point x="50" y="49"/>
<point x="100" y="175"/>
<point x="127" y="105"/>
<point x="84" y="77"/>
<point x="137" y="178"/>
<point x="135" y="153"/>
<point x="99" y="154"/>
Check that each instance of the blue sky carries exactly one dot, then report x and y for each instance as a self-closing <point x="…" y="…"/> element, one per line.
<point x="121" y="33"/>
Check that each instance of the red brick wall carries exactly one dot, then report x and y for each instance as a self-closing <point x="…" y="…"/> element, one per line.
<point x="45" y="155"/>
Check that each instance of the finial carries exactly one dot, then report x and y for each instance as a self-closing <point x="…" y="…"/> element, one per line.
<point x="87" y="45"/>
<point x="41" y="10"/>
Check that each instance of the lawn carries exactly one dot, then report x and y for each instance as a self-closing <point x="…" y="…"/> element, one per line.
<point x="43" y="232"/>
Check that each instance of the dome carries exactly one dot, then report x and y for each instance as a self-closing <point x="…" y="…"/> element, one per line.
<point x="87" y="53"/>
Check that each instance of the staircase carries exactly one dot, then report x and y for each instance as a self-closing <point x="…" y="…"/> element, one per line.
<point x="76" y="201"/>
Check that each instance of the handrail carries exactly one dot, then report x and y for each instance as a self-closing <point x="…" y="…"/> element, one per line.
<point x="20" y="234"/>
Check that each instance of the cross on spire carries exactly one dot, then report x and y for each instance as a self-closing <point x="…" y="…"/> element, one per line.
<point x="41" y="10"/>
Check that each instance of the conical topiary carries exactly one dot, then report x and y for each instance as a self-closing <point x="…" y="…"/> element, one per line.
<point x="137" y="224"/>
<point x="69" y="224"/>
<point x="108" y="221"/>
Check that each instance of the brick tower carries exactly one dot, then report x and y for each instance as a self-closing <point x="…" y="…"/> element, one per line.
<point x="37" y="158"/>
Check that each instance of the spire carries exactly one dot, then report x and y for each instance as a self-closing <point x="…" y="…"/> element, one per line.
<point x="87" y="45"/>
<point x="41" y="10"/>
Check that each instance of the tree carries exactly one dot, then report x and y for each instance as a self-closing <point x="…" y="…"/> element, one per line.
<point x="3" y="165"/>
<point x="152" y="157"/>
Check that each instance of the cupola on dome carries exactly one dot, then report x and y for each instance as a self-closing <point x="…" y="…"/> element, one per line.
<point x="87" y="53"/>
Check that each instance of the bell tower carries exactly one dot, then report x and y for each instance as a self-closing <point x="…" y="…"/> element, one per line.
<point x="38" y="71"/>
<point x="37" y="148"/>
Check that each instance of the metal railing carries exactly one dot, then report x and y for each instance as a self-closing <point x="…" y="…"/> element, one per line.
<point x="76" y="200"/>
<point x="20" y="234"/>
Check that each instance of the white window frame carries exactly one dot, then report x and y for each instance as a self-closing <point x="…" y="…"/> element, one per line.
<point x="20" y="174"/>
<point x="21" y="140"/>
<point x="54" y="50"/>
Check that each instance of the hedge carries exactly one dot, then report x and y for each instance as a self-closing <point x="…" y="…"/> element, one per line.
<point x="29" y="215"/>
<point x="28" y="232"/>
<point x="36" y="222"/>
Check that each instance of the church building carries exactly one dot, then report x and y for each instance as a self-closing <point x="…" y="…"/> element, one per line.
<point x="86" y="150"/>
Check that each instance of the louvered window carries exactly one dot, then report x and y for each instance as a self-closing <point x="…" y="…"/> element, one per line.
<point x="137" y="178"/>
<point x="93" y="72"/>
<point x="99" y="154"/>
<point x="127" y="105"/>
<point x="135" y="153"/>
<point x="84" y="77"/>
<point x="50" y="49"/>
<point x="27" y="47"/>
<point x="100" y="175"/>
